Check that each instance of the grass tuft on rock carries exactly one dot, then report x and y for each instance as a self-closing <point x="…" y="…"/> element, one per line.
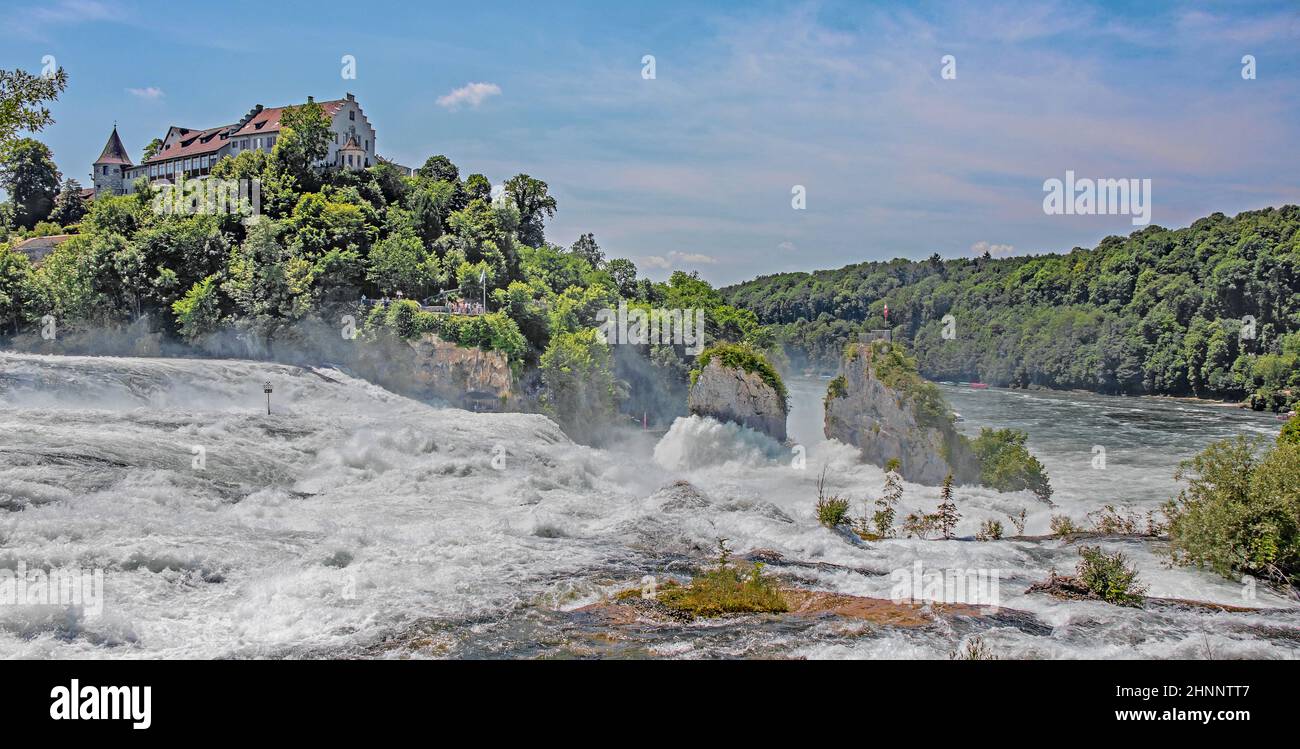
<point x="726" y="589"/>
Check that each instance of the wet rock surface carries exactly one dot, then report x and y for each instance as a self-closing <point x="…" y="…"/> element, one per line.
<point x="731" y="394"/>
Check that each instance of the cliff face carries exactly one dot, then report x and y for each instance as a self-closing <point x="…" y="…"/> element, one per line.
<point x="732" y="394"/>
<point x="456" y="373"/>
<point x="469" y="378"/>
<point x="887" y="411"/>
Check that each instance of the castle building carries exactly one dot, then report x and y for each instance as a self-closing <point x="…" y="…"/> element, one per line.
<point x="108" y="174"/>
<point x="189" y="153"/>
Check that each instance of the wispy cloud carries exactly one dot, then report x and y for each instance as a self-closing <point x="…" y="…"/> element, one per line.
<point x="36" y="18"/>
<point x="471" y="95"/>
<point x="148" y="92"/>
<point x="675" y="260"/>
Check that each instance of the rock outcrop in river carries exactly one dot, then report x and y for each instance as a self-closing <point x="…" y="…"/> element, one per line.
<point x="735" y="383"/>
<point x="879" y="404"/>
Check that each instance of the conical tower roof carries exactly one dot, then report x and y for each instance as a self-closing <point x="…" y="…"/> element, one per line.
<point x="114" y="152"/>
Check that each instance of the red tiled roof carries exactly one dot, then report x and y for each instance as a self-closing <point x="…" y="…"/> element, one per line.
<point x="199" y="142"/>
<point x="194" y="143"/>
<point x="114" y="152"/>
<point x="268" y="120"/>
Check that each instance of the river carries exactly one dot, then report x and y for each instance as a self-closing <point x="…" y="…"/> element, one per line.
<point x="352" y="522"/>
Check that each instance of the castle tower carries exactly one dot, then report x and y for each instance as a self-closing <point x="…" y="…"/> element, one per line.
<point x="110" y="168"/>
<point x="352" y="156"/>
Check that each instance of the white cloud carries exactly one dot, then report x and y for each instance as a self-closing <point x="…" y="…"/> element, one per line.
<point x="677" y="259"/>
<point x="471" y="94"/>
<point x="37" y="18"/>
<point x="786" y="245"/>
<point x="981" y="247"/>
<point x="148" y="92"/>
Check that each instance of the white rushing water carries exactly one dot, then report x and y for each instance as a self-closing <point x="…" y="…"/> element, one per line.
<point x="352" y="521"/>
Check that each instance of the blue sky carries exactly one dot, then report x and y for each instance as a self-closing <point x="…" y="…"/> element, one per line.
<point x="694" y="169"/>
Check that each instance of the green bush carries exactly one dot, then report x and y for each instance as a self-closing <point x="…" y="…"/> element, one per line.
<point x="1290" y="431"/>
<point x="1109" y="576"/>
<point x="833" y="511"/>
<point x="1006" y="465"/>
<point x="491" y="332"/>
<point x="1240" y="512"/>
<point x="199" y="311"/>
<point x="838" y="388"/>
<point x="1063" y="526"/>
<point x="725" y="590"/>
<point x="990" y="530"/>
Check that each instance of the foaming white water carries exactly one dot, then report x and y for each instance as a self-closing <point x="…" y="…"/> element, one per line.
<point x="696" y="442"/>
<point x="347" y="513"/>
<point x="351" y="516"/>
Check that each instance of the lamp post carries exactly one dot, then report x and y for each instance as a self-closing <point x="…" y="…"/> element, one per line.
<point x="266" y="388"/>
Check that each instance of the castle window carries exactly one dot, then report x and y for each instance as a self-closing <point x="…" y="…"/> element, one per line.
<point x="352" y="114"/>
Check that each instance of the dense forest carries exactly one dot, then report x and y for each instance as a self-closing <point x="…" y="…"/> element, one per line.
<point x="1211" y="310"/>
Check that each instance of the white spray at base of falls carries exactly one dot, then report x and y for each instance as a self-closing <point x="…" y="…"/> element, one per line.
<point x="351" y="515"/>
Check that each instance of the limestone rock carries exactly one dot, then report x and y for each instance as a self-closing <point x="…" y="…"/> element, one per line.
<point x="905" y="419"/>
<point x="732" y="394"/>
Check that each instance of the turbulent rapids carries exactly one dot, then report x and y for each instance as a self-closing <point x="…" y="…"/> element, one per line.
<point x="355" y="522"/>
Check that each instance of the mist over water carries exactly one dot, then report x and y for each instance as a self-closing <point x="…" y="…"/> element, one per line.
<point x="352" y="521"/>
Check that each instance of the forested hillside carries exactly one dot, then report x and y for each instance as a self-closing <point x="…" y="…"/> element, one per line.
<point x="1161" y="311"/>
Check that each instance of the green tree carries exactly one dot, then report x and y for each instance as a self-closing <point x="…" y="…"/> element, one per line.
<point x="577" y="373"/>
<point x="948" y="516"/>
<point x="65" y="285"/>
<point x="587" y="249"/>
<point x="439" y="169"/>
<point x="477" y="187"/>
<point x="399" y="262"/>
<point x="1240" y="512"/>
<point x="69" y="207"/>
<point x="198" y="313"/>
<point x="1290" y="434"/>
<point x="623" y="273"/>
<point x="392" y="184"/>
<point x="151" y="149"/>
<point x="28" y="174"/>
<point x="303" y="142"/>
<point x="22" y="102"/>
<point x="268" y="284"/>
<point x="15" y="280"/>
<point x="1006" y="465"/>
<point x="430" y="205"/>
<point x="532" y="199"/>
<point x="887" y="504"/>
